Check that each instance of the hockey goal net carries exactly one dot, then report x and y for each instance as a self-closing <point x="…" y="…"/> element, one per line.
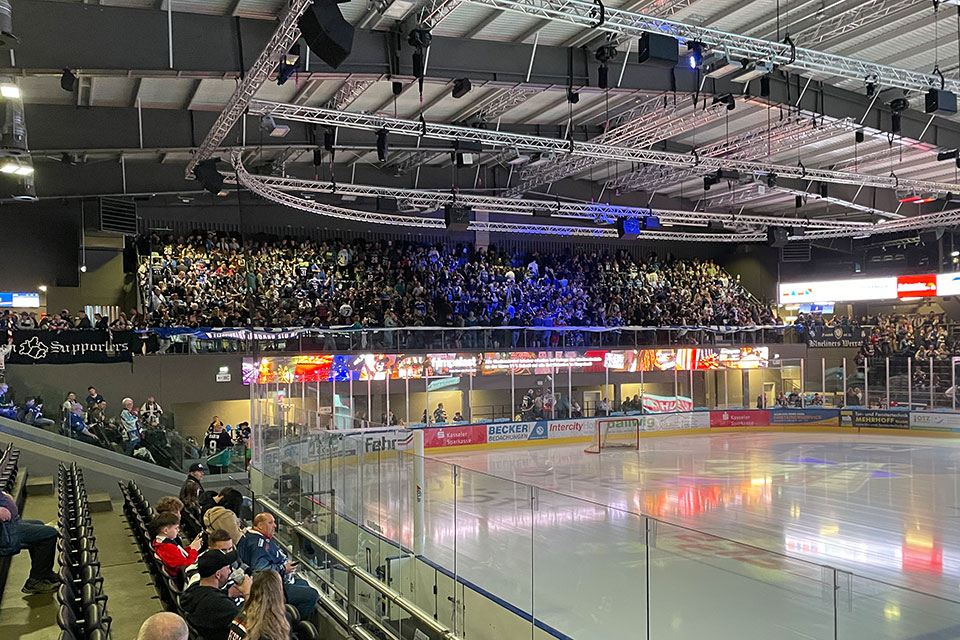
<point x="615" y="433"/>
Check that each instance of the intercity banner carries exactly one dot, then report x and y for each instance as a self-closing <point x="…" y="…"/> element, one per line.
<point x="809" y="417"/>
<point x="874" y="419"/>
<point x="73" y="347"/>
<point x="834" y="337"/>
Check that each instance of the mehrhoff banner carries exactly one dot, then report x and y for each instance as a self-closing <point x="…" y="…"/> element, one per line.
<point x="71" y="347"/>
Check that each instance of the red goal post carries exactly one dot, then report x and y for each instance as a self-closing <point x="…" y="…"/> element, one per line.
<point x="615" y="433"/>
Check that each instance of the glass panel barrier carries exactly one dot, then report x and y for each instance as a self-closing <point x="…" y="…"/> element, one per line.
<point x="702" y="586"/>
<point x="590" y="568"/>
<point x="869" y="608"/>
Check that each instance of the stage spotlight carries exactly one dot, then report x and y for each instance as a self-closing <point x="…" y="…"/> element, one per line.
<point x="709" y="181"/>
<point x="771" y="180"/>
<point x="269" y="126"/>
<point x="83" y="268"/>
<point x="289" y="64"/>
<point x="382" y="147"/>
<point x="208" y="176"/>
<point x="9" y="91"/>
<point x="752" y="71"/>
<point x="694" y="53"/>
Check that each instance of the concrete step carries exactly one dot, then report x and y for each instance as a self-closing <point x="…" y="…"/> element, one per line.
<point x="100" y="502"/>
<point x="40" y="486"/>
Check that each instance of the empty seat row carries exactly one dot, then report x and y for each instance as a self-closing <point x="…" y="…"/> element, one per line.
<point x="83" y="605"/>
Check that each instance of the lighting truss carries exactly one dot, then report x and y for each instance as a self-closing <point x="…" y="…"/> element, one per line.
<point x="349" y="91"/>
<point x="280" y="42"/>
<point x="585" y="211"/>
<point x="439" y="11"/>
<point x="505" y="100"/>
<point x="401" y="126"/>
<point x="260" y="185"/>
<point x="641" y="132"/>
<point x="630" y="24"/>
<point x="853" y="18"/>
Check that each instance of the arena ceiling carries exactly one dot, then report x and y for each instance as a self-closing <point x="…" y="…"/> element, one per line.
<point x="153" y="76"/>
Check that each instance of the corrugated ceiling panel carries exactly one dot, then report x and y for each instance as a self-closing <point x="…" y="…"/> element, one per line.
<point x="165" y="93"/>
<point x="113" y="92"/>
<point x="262" y="9"/>
<point x="44" y="90"/>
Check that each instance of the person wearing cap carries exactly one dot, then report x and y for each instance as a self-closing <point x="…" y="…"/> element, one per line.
<point x="205" y="605"/>
<point x="195" y="477"/>
<point x="259" y="551"/>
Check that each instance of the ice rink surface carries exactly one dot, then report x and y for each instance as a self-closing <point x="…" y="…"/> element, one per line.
<point x="882" y="510"/>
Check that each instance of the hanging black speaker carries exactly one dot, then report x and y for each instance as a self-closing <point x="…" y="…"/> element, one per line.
<point x="326" y="32"/>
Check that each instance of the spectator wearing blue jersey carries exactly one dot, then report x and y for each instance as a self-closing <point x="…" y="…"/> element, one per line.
<point x="258" y="550"/>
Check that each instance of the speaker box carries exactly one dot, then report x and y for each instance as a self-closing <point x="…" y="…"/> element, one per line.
<point x="658" y="50"/>
<point x="931" y="236"/>
<point x="387" y="205"/>
<point x="715" y="225"/>
<point x="777" y="236"/>
<point x="456" y="218"/>
<point x="651" y="222"/>
<point x="940" y="101"/>
<point x="326" y="32"/>
<point x="628" y="228"/>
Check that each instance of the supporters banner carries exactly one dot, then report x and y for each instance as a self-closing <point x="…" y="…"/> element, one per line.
<point x="834" y="337"/>
<point x="934" y="421"/>
<point x="73" y="347"/>
<point x="805" y="417"/>
<point x="874" y="419"/>
<point x="741" y="418"/>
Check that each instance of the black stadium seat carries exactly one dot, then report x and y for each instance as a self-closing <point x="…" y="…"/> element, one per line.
<point x="83" y="606"/>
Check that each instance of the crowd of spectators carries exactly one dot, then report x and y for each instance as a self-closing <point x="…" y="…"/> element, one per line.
<point x="64" y="320"/>
<point x="912" y="335"/>
<point x="235" y="579"/>
<point x="143" y="433"/>
<point x="206" y="280"/>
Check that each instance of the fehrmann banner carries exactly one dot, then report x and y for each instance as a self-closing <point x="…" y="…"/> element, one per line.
<point x="72" y="347"/>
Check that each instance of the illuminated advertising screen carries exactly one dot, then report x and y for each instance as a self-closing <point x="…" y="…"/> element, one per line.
<point x="373" y="366"/>
<point x="921" y="286"/>
<point x="850" y="290"/>
<point x="20" y="300"/>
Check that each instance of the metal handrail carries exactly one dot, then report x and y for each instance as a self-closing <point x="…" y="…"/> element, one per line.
<point x="357" y="572"/>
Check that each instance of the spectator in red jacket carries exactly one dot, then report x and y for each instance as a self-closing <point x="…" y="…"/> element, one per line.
<point x="167" y="545"/>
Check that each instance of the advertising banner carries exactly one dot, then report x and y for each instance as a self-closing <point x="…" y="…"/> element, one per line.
<point x="571" y="428"/>
<point x="674" y="421"/>
<point x="834" y="337"/>
<point x="73" y="347"/>
<point x="454" y="435"/>
<point x="934" y="421"/>
<point x="874" y="419"/>
<point x="810" y="417"/>
<point x="516" y="431"/>
<point x="741" y="418"/>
